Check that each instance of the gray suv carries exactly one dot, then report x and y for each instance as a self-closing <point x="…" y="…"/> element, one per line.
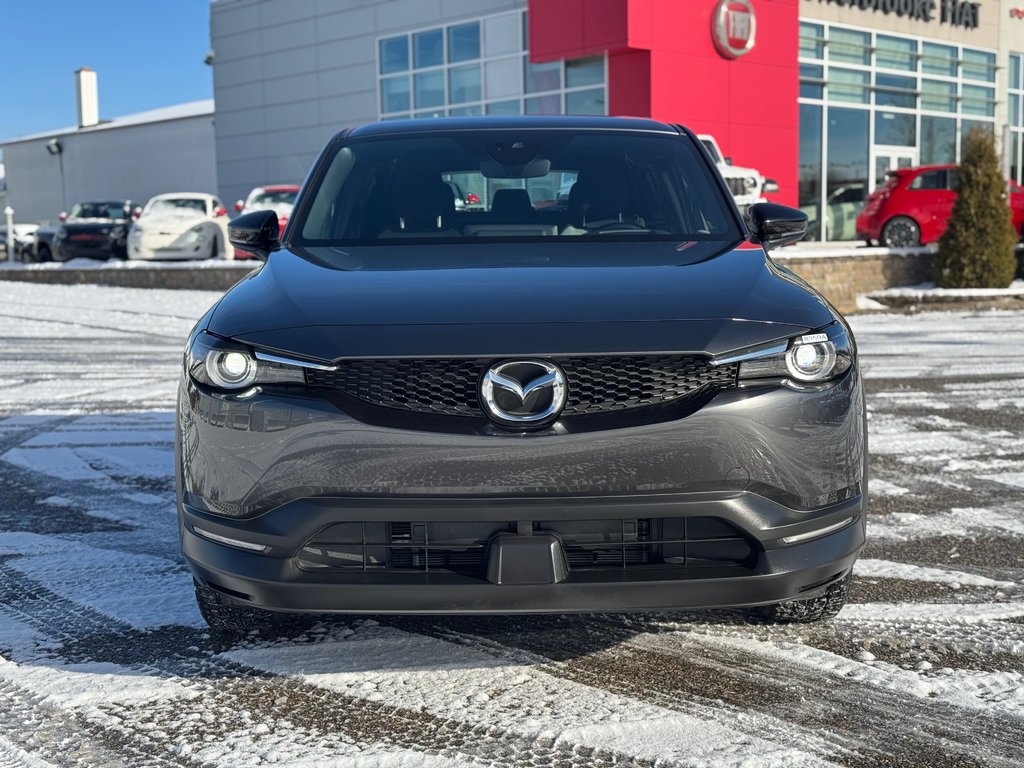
<point x="614" y="401"/>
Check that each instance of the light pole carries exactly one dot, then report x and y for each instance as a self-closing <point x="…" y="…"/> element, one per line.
<point x="54" y="147"/>
<point x="9" y="213"/>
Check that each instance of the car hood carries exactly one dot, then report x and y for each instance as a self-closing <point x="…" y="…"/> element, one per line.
<point x="169" y="222"/>
<point x="732" y="171"/>
<point x="529" y="305"/>
<point x="281" y="209"/>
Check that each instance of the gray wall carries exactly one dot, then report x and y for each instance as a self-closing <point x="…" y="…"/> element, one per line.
<point x="135" y="161"/>
<point x="289" y="75"/>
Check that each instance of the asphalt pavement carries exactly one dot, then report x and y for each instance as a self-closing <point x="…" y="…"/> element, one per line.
<point x="104" y="660"/>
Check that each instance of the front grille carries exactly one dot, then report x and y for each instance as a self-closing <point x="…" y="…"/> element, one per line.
<point x="590" y="545"/>
<point x="737" y="186"/>
<point x="595" y="384"/>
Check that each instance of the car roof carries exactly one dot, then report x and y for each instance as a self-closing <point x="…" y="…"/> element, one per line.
<point x="186" y="195"/>
<point x="922" y="168"/>
<point x="277" y="188"/>
<point x="516" y="122"/>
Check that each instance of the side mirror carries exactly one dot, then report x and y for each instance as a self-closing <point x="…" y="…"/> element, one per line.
<point x="239" y="205"/>
<point x="774" y="225"/>
<point x="771" y="186"/>
<point x="62" y="216"/>
<point x="222" y="211"/>
<point x="257" y="232"/>
<point x="728" y="160"/>
<point x="136" y="212"/>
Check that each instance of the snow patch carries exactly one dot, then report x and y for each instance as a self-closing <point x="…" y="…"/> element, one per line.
<point x="887" y="569"/>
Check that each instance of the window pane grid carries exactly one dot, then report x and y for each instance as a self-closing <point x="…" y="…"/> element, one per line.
<point x="912" y="93"/>
<point x="446" y="70"/>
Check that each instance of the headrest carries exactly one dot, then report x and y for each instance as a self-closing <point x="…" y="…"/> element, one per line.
<point x="593" y="200"/>
<point x="418" y="201"/>
<point x="512" y="204"/>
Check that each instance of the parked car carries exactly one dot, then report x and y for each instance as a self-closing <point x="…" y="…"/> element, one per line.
<point x="842" y="207"/>
<point x="96" y="229"/>
<point x="619" y="405"/>
<point x="912" y="207"/>
<point x="279" y="198"/>
<point x="462" y="199"/>
<point x="24" y="241"/>
<point x="180" y="225"/>
<point x="42" y="247"/>
<point x="746" y="185"/>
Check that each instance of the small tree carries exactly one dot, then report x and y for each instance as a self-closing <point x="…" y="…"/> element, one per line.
<point x="976" y="250"/>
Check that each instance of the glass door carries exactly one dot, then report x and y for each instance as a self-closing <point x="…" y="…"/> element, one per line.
<point x="890" y="159"/>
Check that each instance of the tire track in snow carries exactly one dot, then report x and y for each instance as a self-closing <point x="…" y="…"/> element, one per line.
<point x="854" y="718"/>
<point x="128" y="333"/>
<point x="225" y="687"/>
<point x="65" y="738"/>
<point x="12" y="756"/>
<point x="709" y="708"/>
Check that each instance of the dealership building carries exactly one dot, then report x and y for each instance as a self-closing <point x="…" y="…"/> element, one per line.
<point x="824" y="96"/>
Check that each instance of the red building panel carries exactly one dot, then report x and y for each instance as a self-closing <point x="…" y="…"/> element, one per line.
<point x="662" y="63"/>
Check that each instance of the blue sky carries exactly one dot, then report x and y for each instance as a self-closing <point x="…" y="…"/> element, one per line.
<point x="147" y="54"/>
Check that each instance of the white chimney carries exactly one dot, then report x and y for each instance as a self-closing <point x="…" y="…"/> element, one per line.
<point x="88" y="97"/>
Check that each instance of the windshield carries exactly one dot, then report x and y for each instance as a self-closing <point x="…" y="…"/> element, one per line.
<point x="178" y="206"/>
<point x="531" y="184"/>
<point x="115" y="210"/>
<point x="272" y="198"/>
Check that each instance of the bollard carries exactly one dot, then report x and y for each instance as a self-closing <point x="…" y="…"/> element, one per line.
<point x="9" y="213"/>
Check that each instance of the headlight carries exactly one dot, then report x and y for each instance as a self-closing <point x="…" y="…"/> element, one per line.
<point x="807" y="359"/>
<point x="226" y="365"/>
<point x="812" y="361"/>
<point x="749" y="183"/>
<point x="117" y="233"/>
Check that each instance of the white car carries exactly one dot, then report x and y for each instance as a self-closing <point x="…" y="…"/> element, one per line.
<point x="747" y="185"/>
<point x="181" y="225"/>
<point x="24" y="239"/>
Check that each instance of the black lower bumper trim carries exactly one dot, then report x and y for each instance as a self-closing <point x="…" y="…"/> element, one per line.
<point x="780" y="572"/>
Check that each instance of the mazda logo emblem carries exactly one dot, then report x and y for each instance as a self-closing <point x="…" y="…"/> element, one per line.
<point x="523" y="392"/>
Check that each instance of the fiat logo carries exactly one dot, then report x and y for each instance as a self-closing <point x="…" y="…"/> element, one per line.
<point x="733" y="27"/>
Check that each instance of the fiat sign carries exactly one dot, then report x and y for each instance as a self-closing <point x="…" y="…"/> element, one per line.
<point x="733" y="27"/>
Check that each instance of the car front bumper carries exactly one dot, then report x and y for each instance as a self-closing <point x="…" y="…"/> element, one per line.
<point x="273" y="580"/>
<point x="783" y="468"/>
<point x="65" y="250"/>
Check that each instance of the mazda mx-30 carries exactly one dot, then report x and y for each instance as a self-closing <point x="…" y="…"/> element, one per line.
<point x="606" y="400"/>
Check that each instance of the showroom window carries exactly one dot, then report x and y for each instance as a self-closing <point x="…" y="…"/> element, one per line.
<point x="1016" y="117"/>
<point x="873" y="102"/>
<point x="481" y="67"/>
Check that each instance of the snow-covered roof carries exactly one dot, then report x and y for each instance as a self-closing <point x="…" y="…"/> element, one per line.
<point x="173" y="112"/>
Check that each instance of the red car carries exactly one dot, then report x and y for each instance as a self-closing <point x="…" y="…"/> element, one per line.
<point x="279" y="198"/>
<point x="913" y="206"/>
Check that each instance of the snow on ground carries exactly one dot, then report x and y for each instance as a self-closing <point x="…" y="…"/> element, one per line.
<point x="926" y="291"/>
<point x="105" y="661"/>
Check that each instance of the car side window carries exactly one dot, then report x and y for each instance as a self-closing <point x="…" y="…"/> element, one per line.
<point x="953" y="179"/>
<point x="929" y="180"/>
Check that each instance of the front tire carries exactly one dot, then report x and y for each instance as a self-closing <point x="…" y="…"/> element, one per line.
<point x="901" y="232"/>
<point x="826" y="606"/>
<point x="231" y="623"/>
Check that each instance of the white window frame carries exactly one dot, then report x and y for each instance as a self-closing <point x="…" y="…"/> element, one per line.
<point x="520" y="57"/>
